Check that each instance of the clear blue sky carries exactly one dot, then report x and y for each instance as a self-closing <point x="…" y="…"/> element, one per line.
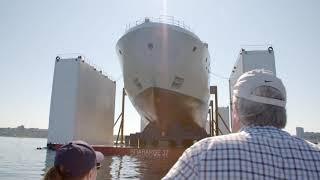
<point x="33" y="32"/>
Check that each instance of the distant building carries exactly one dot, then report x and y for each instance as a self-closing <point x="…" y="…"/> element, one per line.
<point x="20" y="127"/>
<point x="299" y="132"/>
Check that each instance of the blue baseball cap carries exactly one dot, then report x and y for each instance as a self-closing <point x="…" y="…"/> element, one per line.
<point x="77" y="158"/>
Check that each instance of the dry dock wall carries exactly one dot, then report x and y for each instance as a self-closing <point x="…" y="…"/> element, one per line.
<point x="250" y="60"/>
<point x="82" y="104"/>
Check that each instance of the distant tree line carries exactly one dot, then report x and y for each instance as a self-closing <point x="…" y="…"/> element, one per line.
<point x="21" y="131"/>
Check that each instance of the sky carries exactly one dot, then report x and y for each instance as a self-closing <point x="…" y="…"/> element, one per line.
<point x="33" y="32"/>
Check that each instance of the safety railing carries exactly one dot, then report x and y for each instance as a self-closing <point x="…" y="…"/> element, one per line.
<point x="171" y="20"/>
<point x="84" y="59"/>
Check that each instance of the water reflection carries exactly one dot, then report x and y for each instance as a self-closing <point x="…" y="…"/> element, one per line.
<point x="127" y="167"/>
<point x="48" y="163"/>
<point x="19" y="159"/>
<point x="104" y="171"/>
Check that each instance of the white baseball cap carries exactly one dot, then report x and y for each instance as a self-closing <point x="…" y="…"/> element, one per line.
<point x="249" y="81"/>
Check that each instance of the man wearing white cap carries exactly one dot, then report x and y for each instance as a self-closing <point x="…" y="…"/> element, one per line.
<point x="261" y="150"/>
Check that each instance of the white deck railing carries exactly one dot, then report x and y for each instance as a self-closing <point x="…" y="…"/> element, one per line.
<point x="83" y="58"/>
<point x="161" y="19"/>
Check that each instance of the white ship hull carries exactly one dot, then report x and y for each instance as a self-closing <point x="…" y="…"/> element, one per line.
<point x="165" y="70"/>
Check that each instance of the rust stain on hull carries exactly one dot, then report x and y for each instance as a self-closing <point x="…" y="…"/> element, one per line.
<point x="165" y="108"/>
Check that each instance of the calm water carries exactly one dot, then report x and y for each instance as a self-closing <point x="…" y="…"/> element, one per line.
<point x="19" y="159"/>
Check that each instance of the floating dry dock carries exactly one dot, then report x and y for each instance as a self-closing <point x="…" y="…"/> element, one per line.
<point x="134" y="151"/>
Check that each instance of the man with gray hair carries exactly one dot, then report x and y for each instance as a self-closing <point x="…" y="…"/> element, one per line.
<point x="261" y="150"/>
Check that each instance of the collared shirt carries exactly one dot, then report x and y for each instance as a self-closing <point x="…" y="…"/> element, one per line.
<point x="253" y="153"/>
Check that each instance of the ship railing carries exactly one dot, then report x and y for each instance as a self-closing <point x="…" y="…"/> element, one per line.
<point x="256" y="47"/>
<point x="86" y="60"/>
<point x="71" y="56"/>
<point x="161" y="19"/>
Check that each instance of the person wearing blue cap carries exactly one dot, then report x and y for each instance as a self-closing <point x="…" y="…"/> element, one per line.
<point x="76" y="160"/>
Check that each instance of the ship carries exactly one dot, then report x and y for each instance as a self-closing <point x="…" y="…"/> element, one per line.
<point x="166" y="70"/>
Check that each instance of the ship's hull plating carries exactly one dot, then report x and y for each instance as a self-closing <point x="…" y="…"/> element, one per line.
<point x="165" y="70"/>
<point x="169" y="106"/>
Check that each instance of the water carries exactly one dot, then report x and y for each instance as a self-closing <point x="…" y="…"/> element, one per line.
<point x="19" y="159"/>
